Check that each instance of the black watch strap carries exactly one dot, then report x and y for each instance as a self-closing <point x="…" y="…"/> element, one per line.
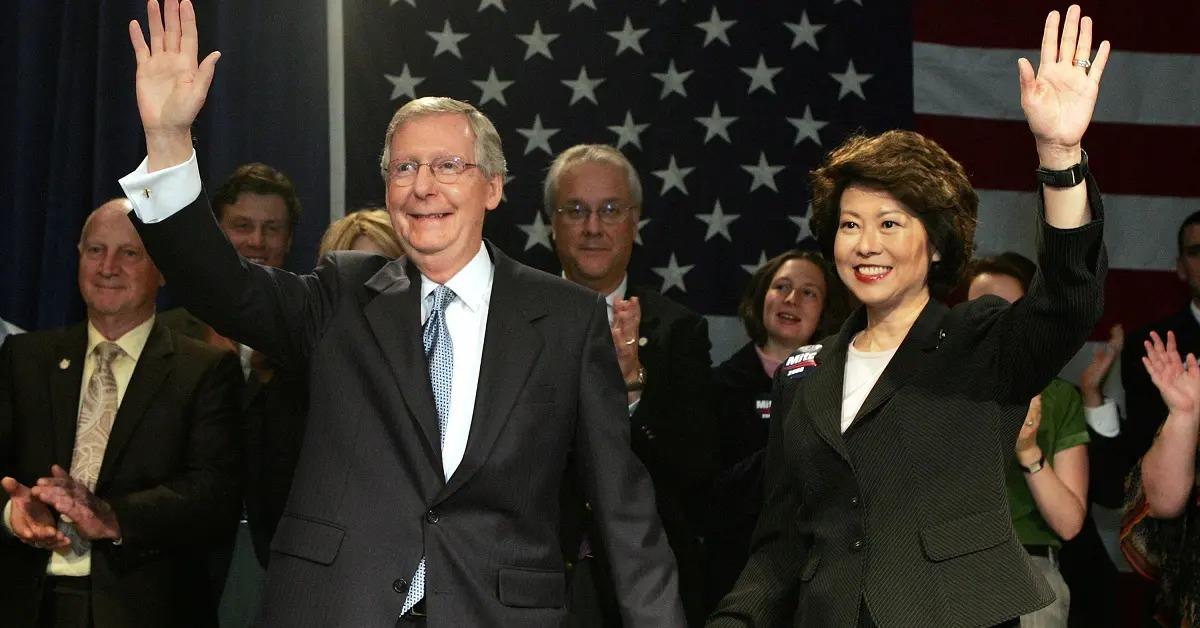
<point x="1068" y="178"/>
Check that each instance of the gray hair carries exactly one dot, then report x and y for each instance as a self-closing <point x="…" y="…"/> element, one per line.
<point x="581" y="153"/>
<point x="124" y="203"/>
<point x="488" y="153"/>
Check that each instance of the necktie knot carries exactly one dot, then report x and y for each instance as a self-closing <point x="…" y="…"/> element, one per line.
<point x="442" y="296"/>
<point x="107" y="352"/>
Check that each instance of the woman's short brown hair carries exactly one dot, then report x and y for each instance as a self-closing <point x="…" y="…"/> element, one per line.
<point x="371" y="222"/>
<point x="750" y="308"/>
<point x="920" y="174"/>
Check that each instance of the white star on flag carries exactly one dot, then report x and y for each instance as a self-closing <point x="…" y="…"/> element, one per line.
<point x="582" y="3"/>
<point x="802" y="224"/>
<point x="763" y="173"/>
<point x="537" y="136"/>
<point x="672" y="177"/>
<point x="629" y="38"/>
<point x="447" y="40"/>
<point x="538" y="42"/>
<point x="537" y="233"/>
<point x="499" y="4"/>
<point x="851" y="82"/>
<point x="629" y="132"/>
<point x="492" y="88"/>
<point x="715" y="29"/>
<point x="641" y="223"/>
<point x="718" y="223"/>
<point x="672" y="80"/>
<point x="716" y="125"/>
<point x="405" y="84"/>
<point x="411" y="3"/>
<point x="672" y="274"/>
<point x="761" y="76"/>
<point x="804" y="33"/>
<point x="751" y="268"/>
<point x="583" y="87"/>
<point x="807" y="128"/>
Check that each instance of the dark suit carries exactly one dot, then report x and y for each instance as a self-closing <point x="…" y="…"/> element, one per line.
<point x="170" y="472"/>
<point x="906" y="514"/>
<point x="674" y="434"/>
<point x="369" y="498"/>
<point x="273" y="414"/>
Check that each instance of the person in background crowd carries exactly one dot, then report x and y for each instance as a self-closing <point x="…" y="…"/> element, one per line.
<point x="593" y="199"/>
<point x="790" y="300"/>
<point x="120" y="441"/>
<point x="1161" y="532"/>
<point x="883" y="503"/>
<point x="258" y="209"/>
<point x="1048" y="480"/>
<point x="369" y="230"/>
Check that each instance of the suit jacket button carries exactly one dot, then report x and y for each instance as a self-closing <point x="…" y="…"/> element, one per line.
<point x="854" y="501"/>
<point x="857" y="545"/>
<point x="432" y="516"/>
<point x="400" y="585"/>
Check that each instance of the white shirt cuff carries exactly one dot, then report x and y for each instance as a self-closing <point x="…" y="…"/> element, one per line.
<point x="1104" y="419"/>
<point x="158" y="195"/>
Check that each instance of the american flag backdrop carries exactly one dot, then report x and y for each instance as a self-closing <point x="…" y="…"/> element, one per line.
<point x="723" y="107"/>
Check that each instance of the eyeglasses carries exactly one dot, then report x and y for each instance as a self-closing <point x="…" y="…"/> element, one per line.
<point x="444" y="169"/>
<point x="610" y="213"/>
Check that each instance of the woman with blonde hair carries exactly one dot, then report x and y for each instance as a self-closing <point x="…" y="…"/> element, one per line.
<point x="368" y="229"/>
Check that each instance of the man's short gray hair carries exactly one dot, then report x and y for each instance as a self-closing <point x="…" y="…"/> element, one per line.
<point x="489" y="155"/>
<point x="580" y="153"/>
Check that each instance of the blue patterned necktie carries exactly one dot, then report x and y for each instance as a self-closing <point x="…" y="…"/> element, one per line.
<point x="439" y="353"/>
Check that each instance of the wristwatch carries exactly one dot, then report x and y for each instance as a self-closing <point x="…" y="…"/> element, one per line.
<point x="1068" y="178"/>
<point x="1035" y="467"/>
<point x="639" y="382"/>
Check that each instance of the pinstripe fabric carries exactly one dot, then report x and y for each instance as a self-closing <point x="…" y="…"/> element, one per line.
<point x="907" y="510"/>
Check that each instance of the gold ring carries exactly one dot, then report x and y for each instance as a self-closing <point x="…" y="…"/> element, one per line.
<point x="1029" y="423"/>
<point x="630" y="341"/>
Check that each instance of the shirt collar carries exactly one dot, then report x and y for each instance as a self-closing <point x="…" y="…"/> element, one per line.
<point x="131" y="343"/>
<point x="1195" y="311"/>
<point x="472" y="284"/>
<point x="619" y="293"/>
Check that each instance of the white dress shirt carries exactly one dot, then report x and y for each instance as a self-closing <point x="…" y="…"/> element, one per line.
<point x="466" y="319"/>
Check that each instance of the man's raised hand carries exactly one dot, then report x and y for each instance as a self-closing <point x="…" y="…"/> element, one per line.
<point x="171" y="86"/>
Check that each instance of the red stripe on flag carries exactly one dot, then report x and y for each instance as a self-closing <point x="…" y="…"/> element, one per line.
<point x="1135" y="298"/>
<point x="1127" y="158"/>
<point x="1018" y="24"/>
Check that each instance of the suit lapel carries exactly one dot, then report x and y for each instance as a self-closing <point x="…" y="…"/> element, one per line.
<point x="69" y="352"/>
<point x="910" y="358"/>
<point x="511" y="346"/>
<point x="153" y="367"/>
<point x="822" y="392"/>
<point x="394" y="314"/>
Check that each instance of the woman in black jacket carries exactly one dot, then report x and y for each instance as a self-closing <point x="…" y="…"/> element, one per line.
<point x="885" y="498"/>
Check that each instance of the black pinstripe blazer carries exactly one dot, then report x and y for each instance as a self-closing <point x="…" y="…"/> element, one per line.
<point x="907" y="510"/>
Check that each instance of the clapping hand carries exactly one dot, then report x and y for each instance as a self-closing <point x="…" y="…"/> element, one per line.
<point x="32" y="521"/>
<point x="1178" y="380"/>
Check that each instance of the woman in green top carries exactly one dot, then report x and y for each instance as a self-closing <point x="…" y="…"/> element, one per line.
<point x="1048" y="481"/>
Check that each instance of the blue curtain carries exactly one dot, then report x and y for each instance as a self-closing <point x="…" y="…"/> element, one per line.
<point x="71" y="127"/>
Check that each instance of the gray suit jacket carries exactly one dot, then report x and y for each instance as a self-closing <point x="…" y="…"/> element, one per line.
<point x="369" y="499"/>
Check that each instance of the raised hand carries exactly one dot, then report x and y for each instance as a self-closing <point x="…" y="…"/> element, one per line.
<point x="171" y="86"/>
<point x="1059" y="99"/>
<point x="1178" y="381"/>
<point x="627" y="316"/>
<point x="92" y="516"/>
<point x="32" y="521"/>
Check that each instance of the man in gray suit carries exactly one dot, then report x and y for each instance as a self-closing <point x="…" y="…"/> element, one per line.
<point x="447" y="387"/>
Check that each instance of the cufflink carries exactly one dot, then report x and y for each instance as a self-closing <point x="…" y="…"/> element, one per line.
<point x="146" y="192"/>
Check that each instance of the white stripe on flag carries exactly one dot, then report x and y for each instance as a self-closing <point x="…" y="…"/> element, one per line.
<point x="1139" y="87"/>
<point x="1139" y="230"/>
<point x="335" y="42"/>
